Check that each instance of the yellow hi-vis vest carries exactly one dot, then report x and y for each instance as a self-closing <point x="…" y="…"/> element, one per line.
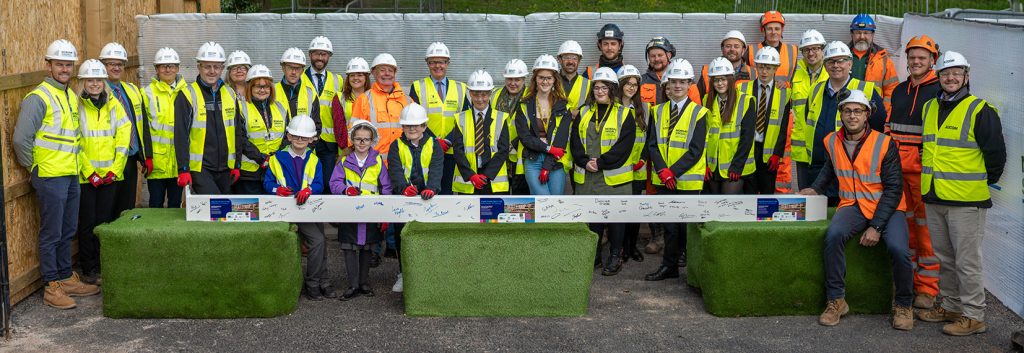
<point x="640" y="143"/>
<point x="369" y="182"/>
<point x="308" y="173"/>
<point x="724" y="138"/>
<point x="197" y="135"/>
<point x="304" y="103"/>
<point x="266" y="139"/>
<point x="806" y="117"/>
<point x="516" y="152"/>
<point x="466" y="123"/>
<point x="803" y="82"/>
<point x="951" y="158"/>
<point x="780" y="97"/>
<point x="405" y="156"/>
<point x="566" y="159"/>
<point x="106" y="134"/>
<point x="332" y="87"/>
<point x="440" y="113"/>
<point x="135" y="95"/>
<point x="57" y="141"/>
<point x="576" y="97"/>
<point x="673" y="142"/>
<point x="609" y="134"/>
<point x="159" y="98"/>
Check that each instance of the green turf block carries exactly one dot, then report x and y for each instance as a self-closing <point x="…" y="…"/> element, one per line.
<point x="160" y="266"/>
<point x="694" y="254"/>
<point x="491" y="269"/>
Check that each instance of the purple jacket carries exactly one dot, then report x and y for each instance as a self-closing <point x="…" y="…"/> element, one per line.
<point x="338" y="183"/>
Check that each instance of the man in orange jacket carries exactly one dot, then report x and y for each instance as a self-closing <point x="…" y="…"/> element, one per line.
<point x="383" y="103"/>
<point x="772" y="24"/>
<point x="871" y="62"/>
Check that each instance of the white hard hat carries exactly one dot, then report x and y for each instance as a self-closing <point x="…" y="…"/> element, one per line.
<point x="438" y="50"/>
<point x="856" y="96"/>
<point x="628" y="71"/>
<point x="238" y="57"/>
<point x="384" y="59"/>
<point x="92" y="68"/>
<point x="113" y="50"/>
<point x="570" y="47"/>
<point x="211" y="51"/>
<point x="811" y="37"/>
<point x="321" y="43"/>
<point x="837" y="48"/>
<point x="412" y="114"/>
<point x="294" y="56"/>
<point x="545" y="62"/>
<point x="302" y="126"/>
<point x="166" y="55"/>
<point x="678" y="69"/>
<point x="767" y="55"/>
<point x="61" y="49"/>
<point x="720" y="67"/>
<point x="950" y="59"/>
<point x="356" y="122"/>
<point x="734" y="34"/>
<point x="516" y="68"/>
<point x="605" y="74"/>
<point x="480" y="80"/>
<point x="258" y="71"/>
<point x="357" y="65"/>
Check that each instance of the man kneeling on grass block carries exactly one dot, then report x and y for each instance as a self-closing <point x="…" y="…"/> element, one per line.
<point x="866" y="164"/>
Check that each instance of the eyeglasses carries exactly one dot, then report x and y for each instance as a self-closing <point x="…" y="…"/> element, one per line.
<point x="437" y="62"/>
<point x="302" y="138"/>
<point x="718" y="79"/>
<point x="545" y="78"/>
<point x="262" y="87"/>
<point x="112" y="63"/>
<point x="855" y="112"/>
<point x="208" y="67"/>
<point x="293" y="68"/>
<point x="630" y="84"/>
<point x="812" y="49"/>
<point x="947" y="73"/>
<point x="166" y="66"/>
<point x="601" y="89"/>
<point x="837" y="61"/>
<point x="361" y="140"/>
<point x="239" y="68"/>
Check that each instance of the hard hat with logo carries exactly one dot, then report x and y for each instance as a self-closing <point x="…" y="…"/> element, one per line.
<point x="357" y="65"/>
<point x="293" y="56"/>
<point x="863" y="22"/>
<point x="113" y="50"/>
<point x="855" y="96"/>
<point x="923" y="42"/>
<point x="720" y="66"/>
<point x="772" y="16"/>
<point x="734" y="34"/>
<point x="545" y="62"/>
<point x="609" y="31"/>
<point x="662" y="43"/>
<point x="837" y="48"/>
<point x="384" y="59"/>
<point x="951" y="59"/>
<point x="61" y="49"/>
<point x="516" y="68"/>
<point x="480" y="80"/>
<point x="678" y="69"/>
<point x="321" y="43"/>
<point x="258" y="71"/>
<point x="166" y="55"/>
<point x="438" y="50"/>
<point x="92" y="68"/>
<point x="302" y="126"/>
<point x="570" y="47"/>
<point x="413" y="114"/>
<point x="605" y="74"/>
<point x="238" y="57"/>
<point x="212" y="52"/>
<point x="356" y="122"/>
<point x="628" y="71"/>
<point x="811" y="37"/>
<point x="767" y="55"/>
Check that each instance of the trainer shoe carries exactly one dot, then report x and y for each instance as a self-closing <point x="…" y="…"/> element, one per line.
<point x="398" y="287"/>
<point x="902" y="318"/>
<point x="55" y="296"/>
<point x="924" y="301"/>
<point x="834" y="310"/>
<point x="938" y="315"/>
<point x="964" y="326"/>
<point x="74" y="287"/>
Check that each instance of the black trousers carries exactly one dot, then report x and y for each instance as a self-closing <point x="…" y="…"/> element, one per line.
<point x="762" y="182"/>
<point x="675" y="233"/>
<point x="248" y="187"/>
<point x="126" y="189"/>
<point x="632" y="231"/>
<point x="97" y="207"/>
<point x="208" y="182"/>
<point x="159" y="189"/>
<point x="616" y="233"/>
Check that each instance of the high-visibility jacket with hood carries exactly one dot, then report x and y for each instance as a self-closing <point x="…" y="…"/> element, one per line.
<point x="106" y="133"/>
<point x="159" y="97"/>
<point x="880" y="71"/>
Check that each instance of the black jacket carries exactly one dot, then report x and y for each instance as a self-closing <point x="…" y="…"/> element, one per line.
<point x="215" y="149"/>
<point x="694" y="149"/>
<point x="527" y="129"/>
<point x="617" y="155"/>
<point x="892" y="180"/>
<point x="490" y="166"/>
<point x="397" y="172"/>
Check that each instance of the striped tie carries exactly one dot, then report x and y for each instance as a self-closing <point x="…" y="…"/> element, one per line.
<point x="673" y="116"/>
<point x="480" y="132"/>
<point x="762" y="111"/>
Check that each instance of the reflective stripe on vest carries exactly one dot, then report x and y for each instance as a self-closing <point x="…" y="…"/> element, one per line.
<point x="58" y="139"/>
<point x="860" y="180"/>
<point x="466" y="123"/>
<point x="780" y="97"/>
<point x="577" y="95"/>
<point x="308" y="172"/>
<point x="368" y="183"/>
<point x="266" y="140"/>
<point x="332" y="87"/>
<point x="727" y="139"/>
<point x="304" y="102"/>
<point x="609" y="134"/>
<point x="803" y="151"/>
<point x="440" y="113"/>
<point x="787" y="62"/>
<point x="160" y="106"/>
<point x="951" y="159"/>
<point x="405" y="156"/>
<point x="673" y="142"/>
<point x="106" y="134"/>
<point x="197" y="134"/>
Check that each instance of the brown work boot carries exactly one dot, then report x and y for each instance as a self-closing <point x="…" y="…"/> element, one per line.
<point x="74" y="287"/>
<point x="902" y="318"/>
<point x="924" y="301"/>
<point x="54" y="296"/>
<point x="657" y="241"/>
<point x="938" y="314"/>
<point x="964" y="326"/>
<point x="834" y="310"/>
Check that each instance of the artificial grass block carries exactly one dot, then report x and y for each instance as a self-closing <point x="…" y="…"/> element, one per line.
<point x="161" y="266"/>
<point x="496" y="269"/>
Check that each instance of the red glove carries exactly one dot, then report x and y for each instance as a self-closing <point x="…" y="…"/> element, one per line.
<point x="665" y="175"/>
<point x="707" y="173"/>
<point x="95" y="180"/>
<point x="184" y="178"/>
<point x="284" y="191"/>
<point x="235" y="174"/>
<point x="352" y="191"/>
<point x="671" y="184"/>
<point x="773" y="163"/>
<point x="543" y="176"/>
<point x="427" y="194"/>
<point x="410" y="191"/>
<point x="266" y="162"/>
<point x="147" y="167"/>
<point x="109" y="178"/>
<point x="639" y="165"/>
<point x="302" y="196"/>
<point x="734" y="176"/>
<point x="556" y="152"/>
<point x="478" y="181"/>
<point x="444" y="144"/>
<point x="383" y="227"/>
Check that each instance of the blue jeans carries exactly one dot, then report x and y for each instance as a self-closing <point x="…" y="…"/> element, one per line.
<point x="59" y="199"/>
<point x="164" y="188"/>
<point x="556" y="178"/>
<point x="849" y="222"/>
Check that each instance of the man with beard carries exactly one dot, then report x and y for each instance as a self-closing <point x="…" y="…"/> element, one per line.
<point x="871" y="62"/>
<point x="609" y="43"/>
<point x="733" y="45"/>
<point x="328" y="84"/>
<point x="772" y="24"/>
<point x="659" y="53"/>
<point x="576" y="86"/>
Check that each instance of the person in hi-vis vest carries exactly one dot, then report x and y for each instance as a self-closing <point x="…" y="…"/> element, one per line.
<point x="480" y="142"/>
<point x="442" y="98"/>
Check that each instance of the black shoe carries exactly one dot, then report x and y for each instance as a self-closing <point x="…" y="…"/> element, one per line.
<point x="682" y="260"/>
<point x="366" y="290"/>
<point x="349" y="294"/>
<point x="637" y="255"/>
<point x="390" y="253"/>
<point x="597" y="263"/>
<point x="328" y="291"/>
<point x="374" y="259"/>
<point x="663" y="272"/>
<point x="91" y="278"/>
<point x="312" y="294"/>
<point x="613" y="268"/>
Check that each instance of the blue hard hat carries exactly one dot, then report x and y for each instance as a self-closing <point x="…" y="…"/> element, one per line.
<point x="863" y="22"/>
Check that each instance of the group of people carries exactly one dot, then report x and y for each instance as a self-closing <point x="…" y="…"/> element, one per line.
<point x="907" y="163"/>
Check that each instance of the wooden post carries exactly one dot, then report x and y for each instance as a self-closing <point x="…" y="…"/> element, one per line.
<point x="209" y="6"/>
<point x="171" y="6"/>
<point x="97" y="26"/>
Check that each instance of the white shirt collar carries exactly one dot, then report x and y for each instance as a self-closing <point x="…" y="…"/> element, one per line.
<point x="291" y="152"/>
<point x="478" y="112"/>
<point x="680" y="104"/>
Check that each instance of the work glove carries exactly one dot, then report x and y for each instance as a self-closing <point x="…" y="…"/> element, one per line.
<point x="665" y="175"/>
<point x="266" y="162"/>
<point x="109" y="178"/>
<point x="478" y="181"/>
<point x="639" y="165"/>
<point x="543" y="176"/>
<point x="556" y="152"/>
<point x="383" y="227"/>
<point x="427" y="194"/>
<point x="147" y="167"/>
<point x="707" y="173"/>
<point x="773" y="163"/>
<point x="352" y="191"/>
<point x="95" y="180"/>
<point x="734" y="176"/>
<point x="184" y="178"/>
<point x="235" y="174"/>
<point x="444" y="144"/>
<point x="410" y="191"/>
<point x="284" y="191"/>
<point x="302" y="196"/>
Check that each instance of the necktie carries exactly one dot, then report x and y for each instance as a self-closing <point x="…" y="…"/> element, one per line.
<point x="762" y="111"/>
<point x="480" y="134"/>
<point x="673" y="116"/>
<point x="320" y="83"/>
<point x="440" y="90"/>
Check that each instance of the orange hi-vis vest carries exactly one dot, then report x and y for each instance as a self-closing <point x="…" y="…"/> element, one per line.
<point x="787" y="54"/>
<point x="860" y="180"/>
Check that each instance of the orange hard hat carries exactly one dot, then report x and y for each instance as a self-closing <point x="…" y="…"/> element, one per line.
<point x="772" y="16"/>
<point x="923" y="42"/>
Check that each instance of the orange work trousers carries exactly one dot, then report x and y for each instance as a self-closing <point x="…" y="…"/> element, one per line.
<point x="926" y="264"/>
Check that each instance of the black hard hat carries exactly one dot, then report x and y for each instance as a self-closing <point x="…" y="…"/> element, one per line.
<point x="662" y="43"/>
<point x="609" y="31"/>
